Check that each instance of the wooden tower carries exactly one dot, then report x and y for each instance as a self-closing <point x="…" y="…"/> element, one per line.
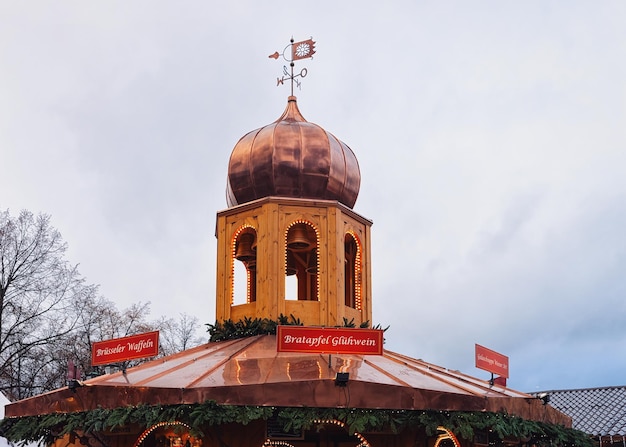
<point x="290" y="232"/>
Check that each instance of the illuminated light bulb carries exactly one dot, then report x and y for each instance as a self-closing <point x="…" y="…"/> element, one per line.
<point x="147" y="432"/>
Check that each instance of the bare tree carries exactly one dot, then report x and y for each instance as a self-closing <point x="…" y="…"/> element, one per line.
<point x="100" y="320"/>
<point x="178" y="335"/>
<point x="49" y="315"/>
<point x="41" y="295"/>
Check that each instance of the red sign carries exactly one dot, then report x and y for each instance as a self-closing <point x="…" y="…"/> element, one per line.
<point x="125" y="348"/>
<point x="329" y="340"/>
<point x="492" y="361"/>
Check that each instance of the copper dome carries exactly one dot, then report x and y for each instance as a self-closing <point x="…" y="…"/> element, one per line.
<point x="292" y="158"/>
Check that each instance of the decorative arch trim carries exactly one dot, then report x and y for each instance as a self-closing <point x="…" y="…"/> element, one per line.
<point x="445" y="434"/>
<point x="362" y="441"/>
<point x="249" y="277"/>
<point x="313" y="251"/>
<point x="357" y="270"/>
<point x="147" y="432"/>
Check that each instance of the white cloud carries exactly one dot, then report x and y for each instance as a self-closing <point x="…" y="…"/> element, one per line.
<point x="490" y="141"/>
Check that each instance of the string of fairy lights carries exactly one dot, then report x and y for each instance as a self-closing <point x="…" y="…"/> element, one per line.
<point x="357" y="263"/>
<point x="194" y="442"/>
<point x="233" y="250"/>
<point x="362" y="441"/>
<point x="317" y="239"/>
<point x="357" y="271"/>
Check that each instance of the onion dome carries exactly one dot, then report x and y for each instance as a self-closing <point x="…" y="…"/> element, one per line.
<point x="292" y="158"/>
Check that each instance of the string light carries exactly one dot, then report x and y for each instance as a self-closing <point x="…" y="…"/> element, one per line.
<point x="269" y="443"/>
<point x="317" y="240"/>
<point x="363" y="442"/>
<point x="147" y="432"/>
<point x="358" y="303"/>
<point x="447" y="434"/>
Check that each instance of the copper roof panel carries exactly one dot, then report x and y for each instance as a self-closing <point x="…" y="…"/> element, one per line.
<point x="468" y="384"/>
<point x="254" y="360"/>
<point x="250" y="371"/>
<point x="262" y="347"/>
<point x="315" y="160"/>
<point x="174" y="371"/>
<point x="407" y="376"/>
<point x="337" y="177"/>
<point x="420" y="375"/>
<point x="352" y="184"/>
<point x="261" y="164"/>
<point x="240" y="181"/>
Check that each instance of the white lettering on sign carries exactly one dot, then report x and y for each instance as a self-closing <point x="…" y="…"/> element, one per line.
<point x="140" y="345"/>
<point x="326" y="340"/>
<point x="309" y="341"/>
<point x="491" y="361"/>
<point x="351" y="341"/>
<point x="136" y="347"/>
<point x="111" y="350"/>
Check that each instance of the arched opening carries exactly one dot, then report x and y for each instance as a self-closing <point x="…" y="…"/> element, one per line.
<point x="175" y="434"/>
<point x="352" y="271"/>
<point x="445" y="438"/>
<point x="301" y="262"/>
<point x="240" y="284"/>
<point x="244" y="271"/>
<point x="325" y="432"/>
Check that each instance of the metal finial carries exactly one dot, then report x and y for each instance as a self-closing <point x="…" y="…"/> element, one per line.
<point x="299" y="50"/>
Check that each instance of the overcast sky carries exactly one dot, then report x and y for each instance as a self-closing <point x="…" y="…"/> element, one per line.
<point x="491" y="137"/>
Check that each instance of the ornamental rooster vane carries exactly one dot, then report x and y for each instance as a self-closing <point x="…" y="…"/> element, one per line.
<point x="299" y="50"/>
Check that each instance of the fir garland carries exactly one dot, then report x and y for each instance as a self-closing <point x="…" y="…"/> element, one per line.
<point x="248" y="327"/>
<point x="50" y="427"/>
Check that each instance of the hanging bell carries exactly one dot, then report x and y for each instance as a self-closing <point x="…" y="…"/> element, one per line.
<point x="298" y="238"/>
<point x="251" y="264"/>
<point x="244" y="251"/>
<point x="290" y="266"/>
<point x="311" y="267"/>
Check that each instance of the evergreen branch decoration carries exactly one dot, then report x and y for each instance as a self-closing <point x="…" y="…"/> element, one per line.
<point x="248" y="327"/>
<point x="48" y="428"/>
<point x="348" y="323"/>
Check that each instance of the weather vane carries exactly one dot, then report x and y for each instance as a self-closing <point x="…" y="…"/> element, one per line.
<point x="299" y="50"/>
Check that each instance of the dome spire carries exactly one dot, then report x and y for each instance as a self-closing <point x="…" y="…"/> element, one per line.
<point x="292" y="157"/>
<point x="299" y="50"/>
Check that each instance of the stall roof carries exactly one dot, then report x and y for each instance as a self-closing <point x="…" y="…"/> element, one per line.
<point x="596" y="411"/>
<point x="250" y="371"/>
